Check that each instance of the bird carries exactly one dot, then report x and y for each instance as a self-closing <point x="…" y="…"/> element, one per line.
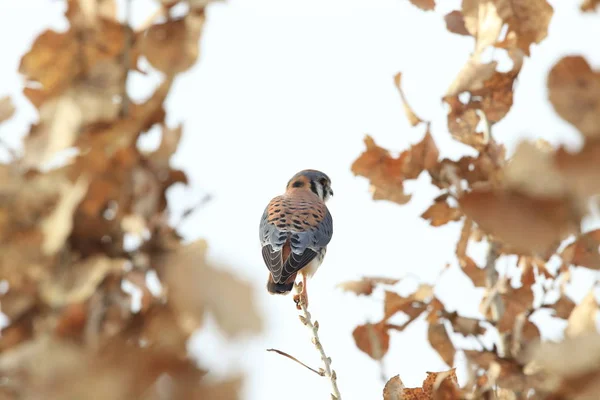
<point x="295" y="229"/>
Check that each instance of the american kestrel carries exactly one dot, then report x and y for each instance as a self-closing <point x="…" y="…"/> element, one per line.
<point x="295" y="229"/>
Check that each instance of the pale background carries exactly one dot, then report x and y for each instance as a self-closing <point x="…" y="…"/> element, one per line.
<point x="285" y="85"/>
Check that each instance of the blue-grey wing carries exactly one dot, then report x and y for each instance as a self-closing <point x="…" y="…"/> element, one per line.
<point x="291" y="238"/>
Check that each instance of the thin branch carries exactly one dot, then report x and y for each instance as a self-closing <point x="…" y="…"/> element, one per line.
<point x="320" y="372"/>
<point x="495" y="300"/>
<point x="126" y="59"/>
<point x="306" y="319"/>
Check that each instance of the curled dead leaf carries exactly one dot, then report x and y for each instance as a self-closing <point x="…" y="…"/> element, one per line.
<point x="410" y="114"/>
<point x="393" y="389"/>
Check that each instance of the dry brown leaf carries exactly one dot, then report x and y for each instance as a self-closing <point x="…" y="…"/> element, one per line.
<point x="440" y="341"/>
<point x="93" y="10"/>
<point x="527" y="268"/>
<point x="581" y="169"/>
<point x="482" y="21"/>
<point x="437" y="386"/>
<point x="574" y="91"/>
<point x="466" y="326"/>
<point x="476" y="275"/>
<point x="440" y="385"/>
<point x="410" y="114"/>
<point x="425" y="5"/>
<point x="7" y="108"/>
<point x="440" y="213"/>
<point x="393" y="389"/>
<point x="583" y="317"/>
<point x="529" y="225"/>
<point x="120" y="371"/>
<point x="472" y="77"/>
<point x="79" y="282"/>
<point x="387" y="173"/>
<point x="58" y="59"/>
<point x="589" y="5"/>
<point x="194" y="286"/>
<point x="528" y="19"/>
<point x="57" y="226"/>
<point x="366" y="285"/>
<point x="563" y="307"/>
<point x="372" y="339"/>
<point x="515" y="301"/>
<point x="455" y="23"/>
<point x="531" y="170"/>
<point x="16" y="303"/>
<point x="172" y="47"/>
<point x="462" y="124"/>
<point x="495" y="98"/>
<point x="412" y="305"/>
<point x="584" y="251"/>
<point x="572" y="366"/>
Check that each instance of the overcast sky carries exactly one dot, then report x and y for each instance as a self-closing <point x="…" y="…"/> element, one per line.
<point x="285" y="85"/>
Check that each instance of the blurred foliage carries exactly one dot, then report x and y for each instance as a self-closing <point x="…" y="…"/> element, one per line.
<point x="76" y="330"/>
<point x="529" y="206"/>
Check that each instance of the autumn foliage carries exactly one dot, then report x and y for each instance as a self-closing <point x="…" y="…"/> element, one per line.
<point x="101" y="293"/>
<point x="529" y="206"/>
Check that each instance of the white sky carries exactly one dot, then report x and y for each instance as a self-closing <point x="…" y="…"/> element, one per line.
<point x="286" y="85"/>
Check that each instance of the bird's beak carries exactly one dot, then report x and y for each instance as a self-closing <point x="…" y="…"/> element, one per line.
<point x="331" y="192"/>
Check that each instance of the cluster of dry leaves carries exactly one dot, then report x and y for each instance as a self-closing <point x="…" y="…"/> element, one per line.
<point x="530" y="205"/>
<point x="100" y="291"/>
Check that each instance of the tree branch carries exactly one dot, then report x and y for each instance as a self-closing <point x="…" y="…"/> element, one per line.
<point x="306" y="319"/>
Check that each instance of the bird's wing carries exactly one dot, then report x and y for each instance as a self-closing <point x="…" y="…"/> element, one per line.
<point x="292" y="233"/>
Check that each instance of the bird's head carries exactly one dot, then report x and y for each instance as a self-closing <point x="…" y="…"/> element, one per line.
<point x="313" y="180"/>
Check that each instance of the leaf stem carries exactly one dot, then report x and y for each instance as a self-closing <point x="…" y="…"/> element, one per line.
<point x="321" y="372"/>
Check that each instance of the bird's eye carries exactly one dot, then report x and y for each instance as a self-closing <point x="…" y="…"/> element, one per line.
<point x="323" y="182"/>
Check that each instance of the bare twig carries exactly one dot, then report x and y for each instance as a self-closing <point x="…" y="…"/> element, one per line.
<point x="496" y="304"/>
<point x="306" y="319"/>
<point x="126" y="59"/>
<point x="320" y="372"/>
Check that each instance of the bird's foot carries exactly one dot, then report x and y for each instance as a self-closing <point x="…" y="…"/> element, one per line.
<point x="301" y="297"/>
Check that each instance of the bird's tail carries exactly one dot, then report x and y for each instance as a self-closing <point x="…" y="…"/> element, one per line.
<point x="281" y="288"/>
